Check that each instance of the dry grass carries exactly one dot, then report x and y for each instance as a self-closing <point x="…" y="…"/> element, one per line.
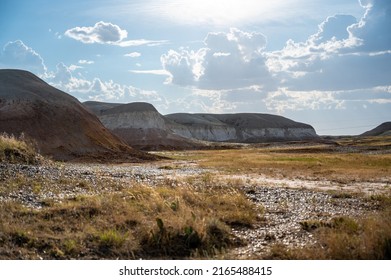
<point x="351" y="159"/>
<point x="285" y="162"/>
<point x="137" y="222"/>
<point x="345" y="238"/>
<point x="17" y="150"/>
<point x="192" y="217"/>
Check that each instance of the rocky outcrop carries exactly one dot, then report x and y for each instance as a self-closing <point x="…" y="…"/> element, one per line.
<point x="57" y="122"/>
<point x="247" y="128"/>
<point x="140" y="125"/>
<point x="382" y="130"/>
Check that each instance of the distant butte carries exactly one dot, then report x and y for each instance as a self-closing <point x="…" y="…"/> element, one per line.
<point x="382" y="130"/>
<point x="142" y="126"/>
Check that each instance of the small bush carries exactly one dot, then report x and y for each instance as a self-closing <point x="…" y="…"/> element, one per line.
<point x="110" y="240"/>
<point x="17" y="150"/>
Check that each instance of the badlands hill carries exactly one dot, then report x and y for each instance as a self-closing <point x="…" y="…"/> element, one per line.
<point x="242" y="128"/>
<point x="382" y="130"/>
<point x="57" y="122"/>
<point x="140" y="125"/>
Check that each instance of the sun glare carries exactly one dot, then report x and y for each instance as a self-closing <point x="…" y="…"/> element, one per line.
<point x="222" y="12"/>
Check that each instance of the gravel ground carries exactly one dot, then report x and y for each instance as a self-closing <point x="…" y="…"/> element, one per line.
<point x="284" y="208"/>
<point x="60" y="181"/>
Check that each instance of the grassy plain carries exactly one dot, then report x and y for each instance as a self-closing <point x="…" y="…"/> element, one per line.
<point x="347" y="159"/>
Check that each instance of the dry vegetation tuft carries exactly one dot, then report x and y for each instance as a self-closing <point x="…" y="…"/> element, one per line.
<point x="17" y="150"/>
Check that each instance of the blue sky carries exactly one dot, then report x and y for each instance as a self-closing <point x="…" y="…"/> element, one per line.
<point x="326" y="63"/>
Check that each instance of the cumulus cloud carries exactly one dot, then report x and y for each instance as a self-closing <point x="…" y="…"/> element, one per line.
<point x="334" y="28"/>
<point x="98" y="89"/>
<point x="228" y="60"/>
<point x="106" y="33"/>
<point x="133" y="54"/>
<point x="284" y="100"/>
<point x="159" y="72"/>
<point x="84" y="61"/>
<point x="74" y="67"/>
<point x="344" y="54"/>
<point x="345" y="64"/>
<point x="101" y="32"/>
<point x="373" y="28"/>
<point x="16" y="54"/>
<point x="185" y="67"/>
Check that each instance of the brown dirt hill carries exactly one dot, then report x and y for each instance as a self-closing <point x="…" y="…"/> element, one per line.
<point x="382" y="130"/>
<point x="57" y="122"/>
<point x="140" y="125"/>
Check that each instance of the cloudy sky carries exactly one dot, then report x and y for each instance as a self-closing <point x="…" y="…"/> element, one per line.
<point x="326" y="63"/>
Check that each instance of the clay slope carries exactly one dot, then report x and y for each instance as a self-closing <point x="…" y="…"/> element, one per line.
<point x="140" y="125"/>
<point x="244" y="127"/>
<point x="58" y="123"/>
<point x="382" y="130"/>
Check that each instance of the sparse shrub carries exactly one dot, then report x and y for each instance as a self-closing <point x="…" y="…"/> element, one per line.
<point x="70" y="247"/>
<point x="166" y="167"/>
<point x="345" y="224"/>
<point x="310" y="225"/>
<point x="218" y="233"/>
<point x="19" y="238"/>
<point x="344" y="238"/>
<point x="280" y="251"/>
<point x="110" y="240"/>
<point x="56" y="253"/>
<point x="18" y="150"/>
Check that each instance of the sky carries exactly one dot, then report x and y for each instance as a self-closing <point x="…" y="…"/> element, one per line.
<point x="325" y="63"/>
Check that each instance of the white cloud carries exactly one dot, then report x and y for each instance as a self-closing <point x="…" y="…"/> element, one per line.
<point x="97" y="89"/>
<point x="217" y="54"/>
<point x="133" y="54"/>
<point x="101" y="32"/>
<point x="343" y="55"/>
<point x="337" y="69"/>
<point x="334" y="28"/>
<point x="373" y="28"/>
<point x="84" y="61"/>
<point x="284" y="100"/>
<point x="184" y="66"/>
<point x="17" y="55"/>
<point x="73" y="67"/>
<point x="141" y="42"/>
<point x="229" y="60"/>
<point x="160" y="72"/>
<point x="107" y="33"/>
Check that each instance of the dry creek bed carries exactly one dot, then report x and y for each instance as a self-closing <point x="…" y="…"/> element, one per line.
<point x="285" y="203"/>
